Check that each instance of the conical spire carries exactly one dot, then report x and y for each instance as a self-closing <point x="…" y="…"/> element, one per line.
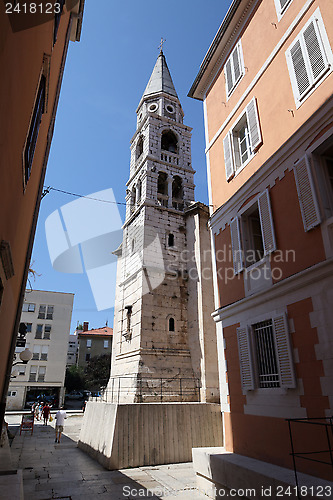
<point x="160" y="80"/>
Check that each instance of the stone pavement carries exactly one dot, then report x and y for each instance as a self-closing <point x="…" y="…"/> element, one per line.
<point x="63" y="471"/>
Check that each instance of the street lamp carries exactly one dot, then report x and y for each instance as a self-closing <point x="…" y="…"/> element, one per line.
<point x="25" y="356"/>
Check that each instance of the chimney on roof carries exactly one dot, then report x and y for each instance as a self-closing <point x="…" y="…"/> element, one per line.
<point x="85" y="326"/>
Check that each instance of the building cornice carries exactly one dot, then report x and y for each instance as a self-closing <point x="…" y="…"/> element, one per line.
<point x="234" y="20"/>
<point x="304" y="278"/>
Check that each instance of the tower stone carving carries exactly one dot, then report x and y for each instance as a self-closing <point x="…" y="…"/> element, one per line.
<point x="162" y="309"/>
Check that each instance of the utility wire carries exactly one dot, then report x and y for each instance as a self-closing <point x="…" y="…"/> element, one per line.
<point x="49" y="188"/>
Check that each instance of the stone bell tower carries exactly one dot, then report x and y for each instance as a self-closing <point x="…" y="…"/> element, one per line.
<point x="153" y="355"/>
<point x="164" y="339"/>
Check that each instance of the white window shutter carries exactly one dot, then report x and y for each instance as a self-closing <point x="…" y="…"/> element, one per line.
<point x="237" y="252"/>
<point x="253" y="124"/>
<point x="299" y="69"/>
<point x="283" y="3"/>
<point x="284" y="352"/>
<point x="266" y="221"/>
<point x="306" y="194"/>
<point x="245" y="359"/>
<point x="315" y="50"/>
<point x="228" y="158"/>
<point x="236" y="151"/>
<point x="228" y="76"/>
<point x="236" y="63"/>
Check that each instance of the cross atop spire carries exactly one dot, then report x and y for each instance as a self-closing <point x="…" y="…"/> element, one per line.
<point x="163" y="40"/>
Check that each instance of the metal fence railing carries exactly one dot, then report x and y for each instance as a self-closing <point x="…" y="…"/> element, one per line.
<point x="140" y="389"/>
<point x="323" y="455"/>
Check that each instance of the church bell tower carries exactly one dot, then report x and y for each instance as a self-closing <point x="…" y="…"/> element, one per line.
<point x="151" y="356"/>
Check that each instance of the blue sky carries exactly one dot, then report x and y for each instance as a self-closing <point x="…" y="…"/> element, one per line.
<point x="105" y="76"/>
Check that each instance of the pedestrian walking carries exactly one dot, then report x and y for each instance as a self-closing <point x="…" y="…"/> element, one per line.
<point x="46" y="412"/>
<point x="60" y="422"/>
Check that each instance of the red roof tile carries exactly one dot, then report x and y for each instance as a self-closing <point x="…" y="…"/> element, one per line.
<point x="105" y="331"/>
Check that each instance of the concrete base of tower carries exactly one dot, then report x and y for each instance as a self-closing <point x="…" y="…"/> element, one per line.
<point x="139" y="388"/>
<point x="138" y="434"/>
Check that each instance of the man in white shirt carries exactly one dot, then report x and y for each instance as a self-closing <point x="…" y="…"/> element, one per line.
<point x="60" y="421"/>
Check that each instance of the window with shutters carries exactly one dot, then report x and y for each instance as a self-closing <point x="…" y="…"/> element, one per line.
<point x="265" y="354"/>
<point x="252" y="236"/>
<point x="252" y="233"/>
<point x="267" y="364"/>
<point x="309" y="58"/>
<point x="281" y="7"/>
<point x="234" y="69"/>
<point x="242" y="141"/>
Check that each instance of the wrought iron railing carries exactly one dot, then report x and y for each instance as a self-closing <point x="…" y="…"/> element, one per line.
<point x="324" y="457"/>
<point x="151" y="389"/>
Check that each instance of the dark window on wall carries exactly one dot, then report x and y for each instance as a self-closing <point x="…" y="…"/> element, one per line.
<point x="30" y="145"/>
<point x="58" y="8"/>
<point x="49" y="314"/>
<point x="252" y="234"/>
<point x="171" y="325"/>
<point x="39" y="331"/>
<point x="41" y="312"/>
<point x="28" y="307"/>
<point x="47" y="332"/>
<point x="88" y="357"/>
<point x="268" y="372"/>
<point x="28" y="326"/>
<point x="171" y="240"/>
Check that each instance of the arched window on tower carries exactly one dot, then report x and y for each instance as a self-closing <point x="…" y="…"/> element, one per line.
<point x="139" y="190"/>
<point x="171" y="240"/>
<point x="171" y="324"/>
<point x="169" y="142"/>
<point x="133" y="198"/>
<point x="139" y="147"/>
<point x="177" y="193"/>
<point x="162" y="189"/>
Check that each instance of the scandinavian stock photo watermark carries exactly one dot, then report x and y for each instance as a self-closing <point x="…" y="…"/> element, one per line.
<point x="276" y="491"/>
<point x="87" y="236"/>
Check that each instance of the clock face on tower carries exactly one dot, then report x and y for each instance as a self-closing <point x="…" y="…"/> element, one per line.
<point x="152" y="107"/>
<point x="170" y="109"/>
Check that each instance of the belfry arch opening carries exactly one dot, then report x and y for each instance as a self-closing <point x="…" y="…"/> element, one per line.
<point x="177" y="193"/>
<point x="177" y="188"/>
<point x="162" y="183"/>
<point x="162" y="189"/>
<point x="139" y="148"/>
<point x="169" y="142"/>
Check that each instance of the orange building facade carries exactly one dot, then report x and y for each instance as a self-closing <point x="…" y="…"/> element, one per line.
<point x="266" y="85"/>
<point x="33" y="50"/>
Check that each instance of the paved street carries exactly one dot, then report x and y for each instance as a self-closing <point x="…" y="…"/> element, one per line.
<point x="63" y="471"/>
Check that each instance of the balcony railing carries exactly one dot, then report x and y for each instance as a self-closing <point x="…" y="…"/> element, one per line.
<point x="170" y="157"/>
